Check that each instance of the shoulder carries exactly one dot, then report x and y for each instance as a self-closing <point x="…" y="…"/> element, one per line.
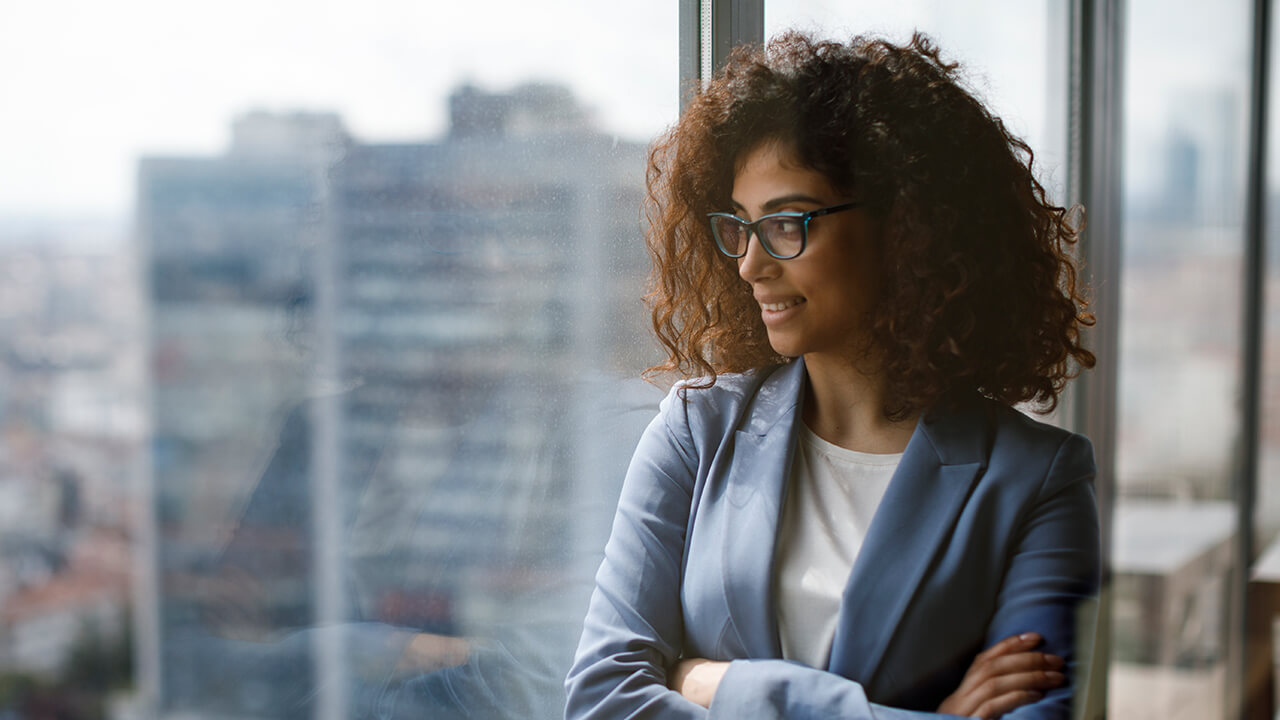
<point x="735" y="400"/>
<point x="726" y="391"/>
<point x="1037" y="449"/>
<point x="1020" y="427"/>
<point x="704" y="418"/>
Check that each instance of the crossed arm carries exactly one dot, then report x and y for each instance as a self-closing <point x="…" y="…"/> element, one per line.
<point x="629" y="660"/>
<point x="1005" y="676"/>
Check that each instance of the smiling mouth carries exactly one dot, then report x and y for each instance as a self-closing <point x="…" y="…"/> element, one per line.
<point x="779" y="307"/>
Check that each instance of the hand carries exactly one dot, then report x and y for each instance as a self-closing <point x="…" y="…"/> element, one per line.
<point x="1005" y="676"/>
<point x="697" y="679"/>
<point x="426" y="652"/>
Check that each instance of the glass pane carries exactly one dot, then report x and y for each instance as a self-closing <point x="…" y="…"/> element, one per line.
<point x="1014" y="55"/>
<point x="1186" y="105"/>
<point x="321" y="366"/>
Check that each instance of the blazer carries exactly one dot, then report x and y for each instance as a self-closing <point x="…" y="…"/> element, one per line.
<point x="988" y="528"/>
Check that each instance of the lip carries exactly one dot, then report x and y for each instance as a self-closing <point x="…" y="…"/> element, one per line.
<point x="783" y="307"/>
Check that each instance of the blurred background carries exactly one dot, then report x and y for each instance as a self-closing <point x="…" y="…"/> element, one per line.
<point x="321" y="327"/>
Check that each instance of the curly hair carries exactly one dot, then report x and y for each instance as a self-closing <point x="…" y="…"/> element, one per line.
<point x="979" y="290"/>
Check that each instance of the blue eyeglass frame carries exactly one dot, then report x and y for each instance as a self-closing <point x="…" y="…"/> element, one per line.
<point x="753" y="228"/>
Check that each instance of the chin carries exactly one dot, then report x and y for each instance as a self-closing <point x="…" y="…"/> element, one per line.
<point x="785" y="349"/>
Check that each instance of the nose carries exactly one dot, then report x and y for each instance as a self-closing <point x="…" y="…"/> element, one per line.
<point x="757" y="264"/>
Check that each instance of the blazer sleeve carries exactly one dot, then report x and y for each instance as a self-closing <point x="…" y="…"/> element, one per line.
<point x="634" y="628"/>
<point x="1053" y="567"/>
<point x="1054" y="571"/>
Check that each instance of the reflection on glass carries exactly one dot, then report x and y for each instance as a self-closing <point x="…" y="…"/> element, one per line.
<point x="326" y="421"/>
<point x="385" y="413"/>
<point x="1186" y="109"/>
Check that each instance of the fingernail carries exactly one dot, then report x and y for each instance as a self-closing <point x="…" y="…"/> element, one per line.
<point x="1055" y="677"/>
<point x="1053" y="661"/>
<point x="1028" y="637"/>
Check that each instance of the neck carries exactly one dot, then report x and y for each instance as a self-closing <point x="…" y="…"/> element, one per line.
<point x="845" y="405"/>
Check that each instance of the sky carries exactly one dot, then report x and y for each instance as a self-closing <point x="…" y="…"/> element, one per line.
<point x="87" y="87"/>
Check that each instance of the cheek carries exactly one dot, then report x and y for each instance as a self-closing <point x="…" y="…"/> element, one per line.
<point x="864" y="277"/>
<point x="859" y="289"/>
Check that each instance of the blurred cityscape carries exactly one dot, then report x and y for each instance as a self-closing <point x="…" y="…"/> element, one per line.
<point x="326" y="384"/>
<point x="323" y="397"/>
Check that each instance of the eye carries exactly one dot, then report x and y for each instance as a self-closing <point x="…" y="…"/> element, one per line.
<point x="785" y="226"/>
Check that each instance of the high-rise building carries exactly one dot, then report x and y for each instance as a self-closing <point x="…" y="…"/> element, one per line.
<point x="379" y="377"/>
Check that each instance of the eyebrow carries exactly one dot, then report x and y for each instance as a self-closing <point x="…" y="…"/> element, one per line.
<point x="778" y="202"/>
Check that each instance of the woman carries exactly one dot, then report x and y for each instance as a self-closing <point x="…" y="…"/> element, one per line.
<point x="856" y="266"/>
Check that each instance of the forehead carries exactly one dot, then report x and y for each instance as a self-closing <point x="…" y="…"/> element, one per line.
<point x="772" y="170"/>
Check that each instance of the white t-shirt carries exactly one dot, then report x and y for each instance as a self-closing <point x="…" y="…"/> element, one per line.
<point x="831" y="496"/>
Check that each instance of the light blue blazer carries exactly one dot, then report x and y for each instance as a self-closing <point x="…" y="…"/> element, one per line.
<point x="989" y="528"/>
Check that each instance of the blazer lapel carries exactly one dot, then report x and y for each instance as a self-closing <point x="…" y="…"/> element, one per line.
<point x="932" y="483"/>
<point x="755" y="490"/>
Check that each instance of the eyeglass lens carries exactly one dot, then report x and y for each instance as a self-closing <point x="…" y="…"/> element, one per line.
<point x="781" y="236"/>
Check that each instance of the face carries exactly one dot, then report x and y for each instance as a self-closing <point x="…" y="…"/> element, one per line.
<point x="816" y="302"/>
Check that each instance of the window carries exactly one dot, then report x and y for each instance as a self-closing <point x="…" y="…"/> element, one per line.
<point x="320" y="334"/>
<point x="336" y="391"/>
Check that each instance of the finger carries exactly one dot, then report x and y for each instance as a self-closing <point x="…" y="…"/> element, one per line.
<point x="1001" y="685"/>
<point x="1025" y="671"/>
<point x="1022" y="662"/>
<point x="1037" y="680"/>
<point x="996" y="707"/>
<point x="1011" y="654"/>
<point x="1011" y="644"/>
<point x="1006" y="664"/>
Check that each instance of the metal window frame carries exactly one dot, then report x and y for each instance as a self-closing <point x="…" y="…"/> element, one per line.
<point x="1095" y="180"/>
<point x="709" y="30"/>
<point x="1249" y="674"/>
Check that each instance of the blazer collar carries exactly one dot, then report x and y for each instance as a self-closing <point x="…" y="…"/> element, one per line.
<point x="755" y="487"/>
<point x="777" y="400"/>
<point x="939" y="466"/>
<point x="958" y="431"/>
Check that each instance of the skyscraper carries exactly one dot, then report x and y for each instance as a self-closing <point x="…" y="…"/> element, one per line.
<point x="375" y="371"/>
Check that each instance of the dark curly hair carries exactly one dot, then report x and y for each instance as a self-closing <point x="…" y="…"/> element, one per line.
<point x="979" y="290"/>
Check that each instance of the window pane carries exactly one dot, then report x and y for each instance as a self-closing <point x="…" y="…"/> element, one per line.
<point x="1186" y="112"/>
<point x="360" y="455"/>
<point x="1014" y="55"/>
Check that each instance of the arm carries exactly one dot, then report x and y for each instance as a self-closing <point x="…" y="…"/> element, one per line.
<point x="634" y="626"/>
<point x="1052" y="567"/>
<point x="633" y="635"/>
<point x="1054" y="571"/>
<point x="1003" y="677"/>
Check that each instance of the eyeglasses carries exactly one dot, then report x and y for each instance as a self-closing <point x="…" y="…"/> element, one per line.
<point x="783" y="235"/>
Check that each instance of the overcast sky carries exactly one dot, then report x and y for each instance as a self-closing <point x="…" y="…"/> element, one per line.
<point x="86" y="87"/>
